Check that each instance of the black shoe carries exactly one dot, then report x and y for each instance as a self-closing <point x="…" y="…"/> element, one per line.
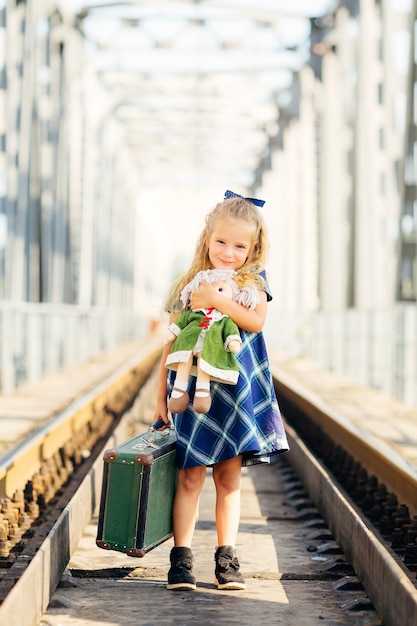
<point x="227" y="569"/>
<point x="180" y="575"/>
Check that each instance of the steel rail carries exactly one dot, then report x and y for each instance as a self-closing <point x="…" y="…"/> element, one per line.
<point x="18" y="465"/>
<point x="387" y="582"/>
<point x="28" y="585"/>
<point x="30" y="596"/>
<point x="391" y="586"/>
<point x="376" y="456"/>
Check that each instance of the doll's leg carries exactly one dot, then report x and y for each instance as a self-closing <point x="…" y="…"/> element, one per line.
<point x="180" y="399"/>
<point x="202" y="397"/>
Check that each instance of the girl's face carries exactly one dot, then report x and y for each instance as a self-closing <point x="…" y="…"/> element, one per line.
<point x="230" y="244"/>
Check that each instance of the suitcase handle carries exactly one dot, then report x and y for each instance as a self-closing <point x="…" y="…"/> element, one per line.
<point x="159" y="424"/>
<point x="151" y="435"/>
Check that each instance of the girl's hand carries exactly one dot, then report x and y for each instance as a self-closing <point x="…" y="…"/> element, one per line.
<point x="205" y="297"/>
<point x="161" y="412"/>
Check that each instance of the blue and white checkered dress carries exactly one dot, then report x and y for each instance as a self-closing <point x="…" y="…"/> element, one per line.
<point x="243" y="418"/>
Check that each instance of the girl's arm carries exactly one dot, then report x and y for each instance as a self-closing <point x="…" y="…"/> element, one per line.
<point x="161" y="396"/>
<point x="247" y="319"/>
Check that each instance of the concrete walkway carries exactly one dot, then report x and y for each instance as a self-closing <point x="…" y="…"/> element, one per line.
<point x="282" y="554"/>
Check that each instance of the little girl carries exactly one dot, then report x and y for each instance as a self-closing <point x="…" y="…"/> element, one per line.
<point x="243" y="425"/>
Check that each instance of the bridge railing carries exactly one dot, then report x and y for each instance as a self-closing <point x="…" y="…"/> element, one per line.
<point x="39" y="339"/>
<point x="371" y="347"/>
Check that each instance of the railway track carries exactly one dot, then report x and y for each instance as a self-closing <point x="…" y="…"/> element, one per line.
<point x="366" y="492"/>
<point x="49" y="488"/>
<point x="40" y="475"/>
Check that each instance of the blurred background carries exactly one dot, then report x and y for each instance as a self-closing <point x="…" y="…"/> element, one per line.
<point x="123" y="123"/>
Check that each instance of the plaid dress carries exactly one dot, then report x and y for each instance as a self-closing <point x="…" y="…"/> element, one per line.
<point x="243" y="418"/>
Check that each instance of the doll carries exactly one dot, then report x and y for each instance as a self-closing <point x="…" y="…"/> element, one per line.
<point x="210" y="336"/>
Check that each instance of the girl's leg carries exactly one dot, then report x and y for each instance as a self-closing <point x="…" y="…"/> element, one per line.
<point x="189" y="485"/>
<point x="226" y="475"/>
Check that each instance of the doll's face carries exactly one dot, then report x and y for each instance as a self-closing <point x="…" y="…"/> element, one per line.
<point x="224" y="288"/>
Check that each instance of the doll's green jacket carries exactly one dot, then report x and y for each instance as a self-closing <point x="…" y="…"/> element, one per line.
<point x="211" y="343"/>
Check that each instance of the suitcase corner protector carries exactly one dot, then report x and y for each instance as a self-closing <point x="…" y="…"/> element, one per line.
<point x="145" y="458"/>
<point x="109" y="455"/>
<point x="136" y="552"/>
<point x="102" y="544"/>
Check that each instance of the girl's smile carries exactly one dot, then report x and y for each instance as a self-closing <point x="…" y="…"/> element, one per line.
<point x="230" y="244"/>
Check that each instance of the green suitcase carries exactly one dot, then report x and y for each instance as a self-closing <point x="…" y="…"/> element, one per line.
<point x="139" y="482"/>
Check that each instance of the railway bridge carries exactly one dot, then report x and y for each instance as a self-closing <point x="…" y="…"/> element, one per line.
<point x="121" y="125"/>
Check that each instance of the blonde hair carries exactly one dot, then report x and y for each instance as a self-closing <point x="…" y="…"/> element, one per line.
<point x="237" y="209"/>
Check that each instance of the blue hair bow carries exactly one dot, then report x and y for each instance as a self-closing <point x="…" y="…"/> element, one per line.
<point x="232" y="194"/>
